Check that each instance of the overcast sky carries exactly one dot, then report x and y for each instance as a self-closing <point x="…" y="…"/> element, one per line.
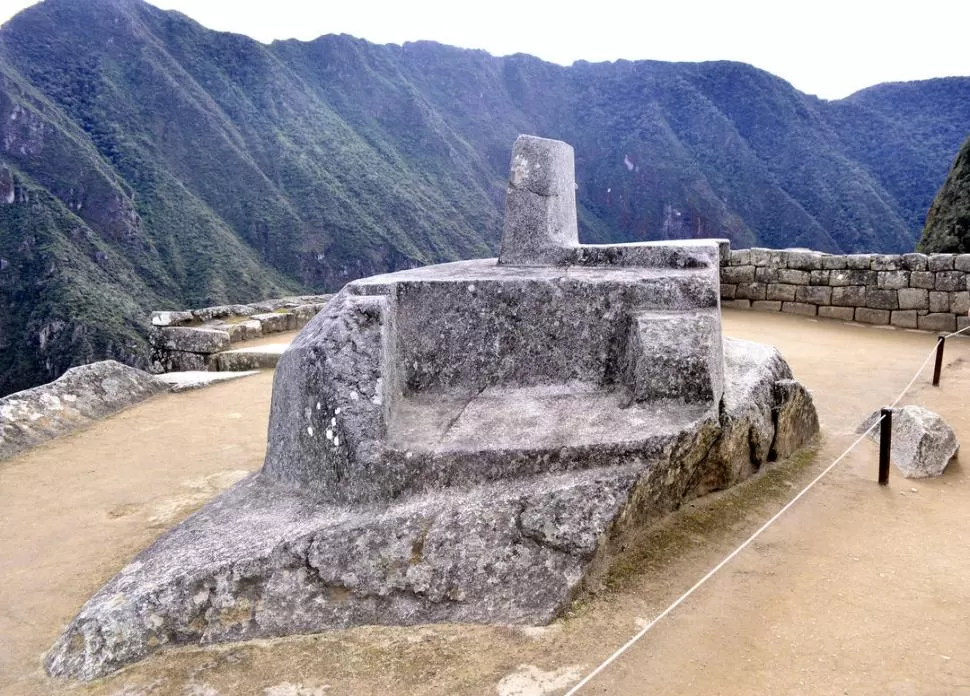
<point x="826" y="47"/>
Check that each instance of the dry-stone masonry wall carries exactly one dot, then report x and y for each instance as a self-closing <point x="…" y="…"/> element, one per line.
<point x="188" y="340"/>
<point x="912" y="291"/>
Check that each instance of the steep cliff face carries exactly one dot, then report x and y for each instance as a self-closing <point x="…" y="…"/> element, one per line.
<point x="948" y="222"/>
<point x="146" y="161"/>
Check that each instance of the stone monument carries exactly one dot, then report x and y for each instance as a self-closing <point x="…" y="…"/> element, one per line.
<point x="465" y="442"/>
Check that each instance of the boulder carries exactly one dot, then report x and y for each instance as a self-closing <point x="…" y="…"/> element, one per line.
<point x="922" y="442"/>
<point x="79" y="396"/>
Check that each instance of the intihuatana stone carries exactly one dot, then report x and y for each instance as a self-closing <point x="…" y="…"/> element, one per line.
<point x="79" y="396"/>
<point x="465" y="442"/>
<point x="922" y="442"/>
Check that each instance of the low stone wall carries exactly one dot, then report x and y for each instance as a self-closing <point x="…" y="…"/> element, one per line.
<point x="913" y="291"/>
<point x="188" y="340"/>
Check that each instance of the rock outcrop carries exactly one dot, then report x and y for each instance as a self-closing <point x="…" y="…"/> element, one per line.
<point x="922" y="442"/>
<point x="81" y="395"/>
<point x="465" y="442"/>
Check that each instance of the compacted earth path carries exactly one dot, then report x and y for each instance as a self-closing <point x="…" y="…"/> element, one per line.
<point x="858" y="589"/>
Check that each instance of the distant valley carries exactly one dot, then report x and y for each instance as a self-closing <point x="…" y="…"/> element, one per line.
<point x="150" y="163"/>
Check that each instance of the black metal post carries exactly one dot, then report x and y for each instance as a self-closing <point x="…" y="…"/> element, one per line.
<point x="939" y="360"/>
<point x="885" y="444"/>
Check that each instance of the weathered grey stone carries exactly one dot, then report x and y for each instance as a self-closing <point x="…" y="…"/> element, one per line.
<point x="766" y="305"/>
<point x="674" y="355"/>
<point x="913" y="298"/>
<point x="78" y="397"/>
<point x="852" y="277"/>
<point x="759" y="256"/>
<point x="808" y="310"/>
<point x="871" y="316"/>
<point x="266" y="559"/>
<point x="728" y="291"/>
<point x="264" y="357"/>
<point x="905" y="319"/>
<point x="962" y="263"/>
<point x="841" y="313"/>
<point x="736" y="304"/>
<point x="777" y="291"/>
<point x="461" y="443"/>
<point x="737" y="274"/>
<point x="275" y="322"/>
<point x="793" y="277"/>
<point x="244" y="330"/>
<point x="922" y="442"/>
<point x="750" y="291"/>
<point x="819" y="277"/>
<point x="892" y="280"/>
<point x="881" y="299"/>
<point x="960" y="302"/>
<point x="222" y="312"/>
<point x="177" y="361"/>
<point x="171" y="318"/>
<point x="937" y="321"/>
<point x="740" y="257"/>
<point x="795" y="418"/>
<point x="186" y="381"/>
<point x="189" y="340"/>
<point x="814" y="294"/>
<point x="778" y="258"/>
<point x="914" y="262"/>
<point x="885" y="262"/>
<point x="540" y="208"/>
<point x="860" y="262"/>
<point x="804" y="260"/>
<point x="939" y="301"/>
<point x="952" y="281"/>
<point x="766" y="274"/>
<point x="962" y="322"/>
<point x="304" y="313"/>
<point x="849" y="296"/>
<point x="940" y="262"/>
<point x="922" y="279"/>
<point x="833" y="262"/>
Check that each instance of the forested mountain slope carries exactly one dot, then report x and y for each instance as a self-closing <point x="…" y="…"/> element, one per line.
<point x="948" y="222"/>
<point x="148" y="162"/>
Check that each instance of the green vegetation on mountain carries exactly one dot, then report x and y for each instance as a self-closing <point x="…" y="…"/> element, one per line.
<point x="149" y="163"/>
<point x="948" y="222"/>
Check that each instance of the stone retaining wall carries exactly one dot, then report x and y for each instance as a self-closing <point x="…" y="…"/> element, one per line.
<point x="913" y="291"/>
<point x="188" y="340"/>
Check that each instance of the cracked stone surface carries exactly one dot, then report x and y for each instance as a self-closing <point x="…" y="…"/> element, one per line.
<point x="922" y="442"/>
<point x="465" y="442"/>
<point x="79" y="396"/>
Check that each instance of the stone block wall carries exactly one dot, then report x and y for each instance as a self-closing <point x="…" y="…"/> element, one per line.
<point x="913" y="291"/>
<point x="188" y="339"/>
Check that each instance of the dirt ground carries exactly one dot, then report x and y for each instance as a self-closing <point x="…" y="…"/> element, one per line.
<point x="858" y="589"/>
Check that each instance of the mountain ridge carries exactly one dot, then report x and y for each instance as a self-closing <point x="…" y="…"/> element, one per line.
<point x="185" y="167"/>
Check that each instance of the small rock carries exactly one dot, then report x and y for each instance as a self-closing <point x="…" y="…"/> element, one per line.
<point x="922" y="442"/>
